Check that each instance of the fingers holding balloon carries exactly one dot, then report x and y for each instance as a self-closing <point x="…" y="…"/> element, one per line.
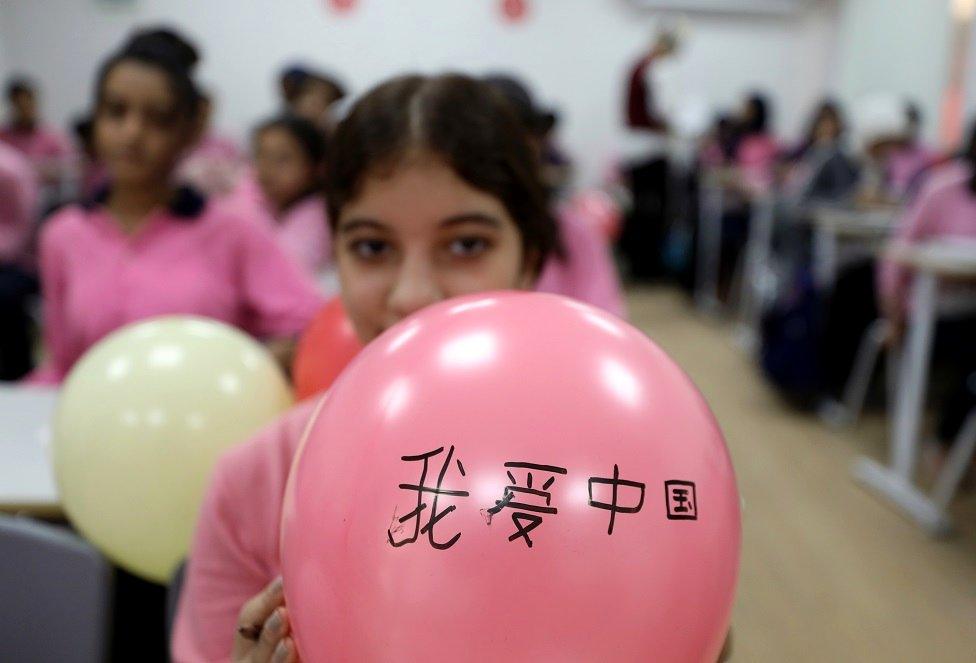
<point x="263" y="628"/>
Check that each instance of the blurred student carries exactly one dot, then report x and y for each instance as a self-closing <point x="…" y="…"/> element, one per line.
<point x="718" y="146"/>
<point x="912" y="158"/>
<point x="945" y="210"/>
<point x="751" y="176"/>
<point x="820" y="168"/>
<point x="584" y="270"/>
<point x="48" y="150"/>
<point x="312" y="95"/>
<point x="647" y="171"/>
<point x="214" y="164"/>
<point x="289" y="168"/>
<point x="18" y="282"/>
<point x="756" y="149"/>
<point x="880" y="125"/>
<point x="145" y="246"/>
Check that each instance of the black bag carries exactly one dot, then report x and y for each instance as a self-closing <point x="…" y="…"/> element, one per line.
<point x="790" y="341"/>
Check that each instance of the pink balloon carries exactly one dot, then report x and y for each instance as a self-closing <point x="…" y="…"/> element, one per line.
<point x="587" y="506"/>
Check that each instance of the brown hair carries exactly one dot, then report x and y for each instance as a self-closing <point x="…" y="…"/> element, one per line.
<point x="464" y="122"/>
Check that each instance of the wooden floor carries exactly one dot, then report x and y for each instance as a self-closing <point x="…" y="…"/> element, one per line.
<point x="829" y="573"/>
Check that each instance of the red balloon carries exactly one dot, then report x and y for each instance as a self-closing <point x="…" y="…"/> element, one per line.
<point x="342" y="5"/>
<point x="326" y="347"/>
<point x="515" y="10"/>
<point x="514" y="476"/>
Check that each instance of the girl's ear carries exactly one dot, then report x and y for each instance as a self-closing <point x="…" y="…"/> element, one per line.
<point x="198" y="126"/>
<point x="531" y="270"/>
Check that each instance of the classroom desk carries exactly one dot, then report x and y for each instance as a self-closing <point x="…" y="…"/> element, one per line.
<point x="26" y="476"/>
<point x="935" y="263"/>
<point x="837" y="226"/>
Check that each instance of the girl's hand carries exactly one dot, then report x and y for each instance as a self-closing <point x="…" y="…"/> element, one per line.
<point x="262" y="629"/>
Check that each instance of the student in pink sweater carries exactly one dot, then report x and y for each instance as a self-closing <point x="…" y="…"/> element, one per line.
<point x="289" y="171"/>
<point x="434" y="192"/>
<point x="44" y="146"/>
<point x="18" y="283"/>
<point x="145" y="247"/>
<point x="945" y="210"/>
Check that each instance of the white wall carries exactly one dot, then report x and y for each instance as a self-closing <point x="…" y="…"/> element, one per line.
<point x="575" y="51"/>
<point x="896" y="46"/>
<point x="4" y="69"/>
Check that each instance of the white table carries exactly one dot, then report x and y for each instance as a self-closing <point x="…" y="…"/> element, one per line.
<point x="934" y="263"/>
<point x="26" y="477"/>
<point x="835" y="226"/>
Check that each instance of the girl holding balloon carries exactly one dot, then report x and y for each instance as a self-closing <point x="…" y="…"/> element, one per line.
<point x="434" y="193"/>
<point x="145" y="247"/>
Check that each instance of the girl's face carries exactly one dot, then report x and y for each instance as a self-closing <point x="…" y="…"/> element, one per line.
<point x="314" y="102"/>
<point x="828" y="128"/>
<point x="417" y="236"/>
<point x="283" y="169"/>
<point x="140" y="132"/>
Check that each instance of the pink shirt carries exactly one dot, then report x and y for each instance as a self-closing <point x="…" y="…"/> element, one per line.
<point x="587" y="273"/>
<point x="213" y="167"/>
<point x="40" y="145"/>
<point x="234" y="553"/>
<point x="756" y="159"/>
<point x="946" y="208"/>
<point x="906" y="164"/>
<point x="95" y="278"/>
<point x="302" y="230"/>
<point x="18" y="203"/>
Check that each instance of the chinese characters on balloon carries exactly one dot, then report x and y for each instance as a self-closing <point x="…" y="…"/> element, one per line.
<point x="525" y="498"/>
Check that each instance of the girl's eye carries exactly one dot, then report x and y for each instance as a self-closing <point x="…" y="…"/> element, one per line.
<point x="469" y="247"/>
<point x="369" y="249"/>
<point x="114" y="109"/>
<point x="162" y="118"/>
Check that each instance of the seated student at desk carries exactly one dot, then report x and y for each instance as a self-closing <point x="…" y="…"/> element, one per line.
<point x="48" y="150"/>
<point x="820" y="168"/>
<point x="851" y="306"/>
<point x="945" y="209"/>
<point x="145" y="247"/>
<point x="18" y="283"/>
<point x="289" y="169"/>
<point x="755" y="154"/>
<point x="910" y="161"/>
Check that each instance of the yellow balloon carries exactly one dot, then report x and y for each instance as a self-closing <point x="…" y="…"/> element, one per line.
<point x="141" y="420"/>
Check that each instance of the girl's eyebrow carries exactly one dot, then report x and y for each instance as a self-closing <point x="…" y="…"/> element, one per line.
<point x="471" y="217"/>
<point x="362" y="223"/>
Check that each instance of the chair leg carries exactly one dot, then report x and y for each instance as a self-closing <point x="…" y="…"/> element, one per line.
<point x="957" y="464"/>
<point x="856" y="389"/>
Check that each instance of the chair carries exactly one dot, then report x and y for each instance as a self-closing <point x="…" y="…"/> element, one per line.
<point x="173" y="598"/>
<point x="57" y="595"/>
<point x="957" y="464"/>
<point x="849" y="409"/>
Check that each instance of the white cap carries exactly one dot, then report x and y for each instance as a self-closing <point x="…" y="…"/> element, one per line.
<point x="877" y="118"/>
